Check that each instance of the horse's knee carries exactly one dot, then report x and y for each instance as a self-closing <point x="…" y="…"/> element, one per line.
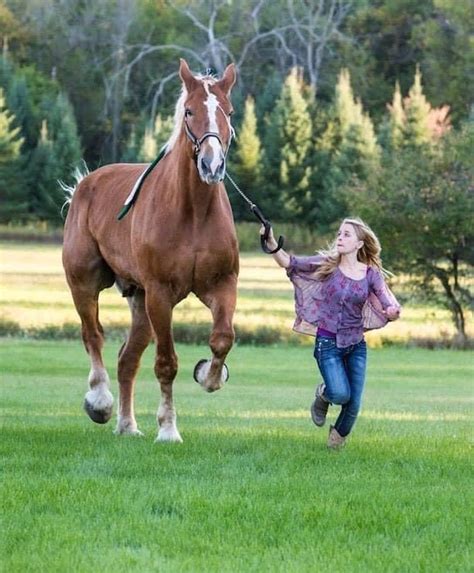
<point x="166" y="368"/>
<point x="221" y="342"/>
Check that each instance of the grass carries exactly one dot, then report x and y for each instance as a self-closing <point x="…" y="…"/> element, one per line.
<point x="33" y="293"/>
<point x="253" y="487"/>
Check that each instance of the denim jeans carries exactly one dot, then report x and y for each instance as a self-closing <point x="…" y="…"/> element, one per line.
<point x="343" y="372"/>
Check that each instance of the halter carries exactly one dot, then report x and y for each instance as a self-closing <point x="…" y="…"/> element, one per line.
<point x="198" y="142"/>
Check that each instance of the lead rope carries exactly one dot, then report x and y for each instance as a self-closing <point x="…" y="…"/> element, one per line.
<point x="261" y="217"/>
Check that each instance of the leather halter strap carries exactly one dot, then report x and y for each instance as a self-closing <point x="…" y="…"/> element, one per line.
<point x="198" y="142"/>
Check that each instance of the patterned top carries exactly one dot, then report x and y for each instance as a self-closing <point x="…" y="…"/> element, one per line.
<point x="338" y="304"/>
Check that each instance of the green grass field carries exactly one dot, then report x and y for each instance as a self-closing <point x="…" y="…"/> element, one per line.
<point x="253" y="487"/>
<point x="33" y="293"/>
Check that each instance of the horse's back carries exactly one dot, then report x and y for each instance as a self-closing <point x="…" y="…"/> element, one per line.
<point x="108" y="185"/>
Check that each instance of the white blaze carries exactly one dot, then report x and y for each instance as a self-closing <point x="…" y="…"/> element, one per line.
<point x="212" y="104"/>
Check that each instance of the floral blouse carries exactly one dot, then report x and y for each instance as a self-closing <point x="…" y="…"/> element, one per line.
<point x="338" y="304"/>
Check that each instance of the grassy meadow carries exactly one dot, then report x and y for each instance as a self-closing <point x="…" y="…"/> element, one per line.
<point x="253" y="487"/>
<point x="33" y="293"/>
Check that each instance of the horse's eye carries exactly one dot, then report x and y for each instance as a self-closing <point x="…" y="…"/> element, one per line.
<point x="188" y="113"/>
<point x="231" y="113"/>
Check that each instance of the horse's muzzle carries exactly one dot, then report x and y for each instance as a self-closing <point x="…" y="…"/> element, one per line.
<point x="211" y="170"/>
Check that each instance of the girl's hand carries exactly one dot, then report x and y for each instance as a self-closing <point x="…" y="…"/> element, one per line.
<point x="392" y="312"/>
<point x="271" y="242"/>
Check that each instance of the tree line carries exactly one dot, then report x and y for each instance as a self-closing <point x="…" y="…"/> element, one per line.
<point x="342" y="108"/>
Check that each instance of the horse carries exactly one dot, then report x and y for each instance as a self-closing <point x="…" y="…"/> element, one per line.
<point x="178" y="238"/>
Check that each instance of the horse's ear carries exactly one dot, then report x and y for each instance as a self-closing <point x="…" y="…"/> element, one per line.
<point x="226" y="83"/>
<point x="186" y="75"/>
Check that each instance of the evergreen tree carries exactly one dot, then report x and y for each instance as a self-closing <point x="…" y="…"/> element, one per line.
<point x="45" y="197"/>
<point x="271" y="201"/>
<point x="12" y="190"/>
<point x="63" y="134"/>
<point x="397" y="119"/>
<point x="247" y="163"/>
<point x="417" y="111"/>
<point x="148" y="148"/>
<point x="348" y="150"/>
<point x="413" y="122"/>
<point x="19" y="100"/>
<point x="295" y="127"/>
<point x="154" y="137"/>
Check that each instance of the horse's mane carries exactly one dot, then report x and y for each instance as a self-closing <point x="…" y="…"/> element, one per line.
<point x="179" y="112"/>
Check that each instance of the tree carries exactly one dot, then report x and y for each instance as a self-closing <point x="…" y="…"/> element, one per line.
<point x="419" y="200"/>
<point x="12" y="193"/>
<point x="397" y="119"/>
<point x="55" y="157"/>
<point x="417" y="111"/>
<point x="247" y="162"/>
<point x="44" y="194"/>
<point x="63" y="133"/>
<point x="412" y="121"/>
<point x="346" y="150"/>
<point x="295" y="134"/>
<point x="155" y="137"/>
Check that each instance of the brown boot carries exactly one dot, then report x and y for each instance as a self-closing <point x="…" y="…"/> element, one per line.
<point x="319" y="408"/>
<point x="335" y="440"/>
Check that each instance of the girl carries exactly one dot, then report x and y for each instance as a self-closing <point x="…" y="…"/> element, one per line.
<point x="339" y="294"/>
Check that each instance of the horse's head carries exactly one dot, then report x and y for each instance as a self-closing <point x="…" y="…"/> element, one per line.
<point x="207" y="111"/>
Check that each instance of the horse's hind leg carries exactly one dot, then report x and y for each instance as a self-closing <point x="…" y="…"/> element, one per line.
<point x="87" y="275"/>
<point x="98" y="401"/>
<point x="129" y="362"/>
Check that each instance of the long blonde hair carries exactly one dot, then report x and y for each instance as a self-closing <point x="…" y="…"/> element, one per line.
<point x="369" y="253"/>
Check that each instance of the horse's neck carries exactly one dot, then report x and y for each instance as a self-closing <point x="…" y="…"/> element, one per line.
<point x="190" y="195"/>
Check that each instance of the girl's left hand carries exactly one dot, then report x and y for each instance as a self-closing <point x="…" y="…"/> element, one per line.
<point x="392" y="312"/>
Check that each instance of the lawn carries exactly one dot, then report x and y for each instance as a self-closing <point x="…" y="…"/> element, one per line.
<point x="33" y="293"/>
<point x="253" y="487"/>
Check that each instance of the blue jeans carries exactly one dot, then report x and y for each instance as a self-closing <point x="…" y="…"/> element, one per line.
<point x="343" y="372"/>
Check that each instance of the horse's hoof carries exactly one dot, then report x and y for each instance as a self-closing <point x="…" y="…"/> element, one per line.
<point x="168" y="435"/>
<point x="98" y="416"/>
<point x="135" y="433"/>
<point x="201" y="370"/>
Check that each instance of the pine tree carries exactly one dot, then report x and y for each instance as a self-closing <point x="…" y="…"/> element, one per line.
<point x="296" y="136"/>
<point x="44" y="170"/>
<point x="154" y="137"/>
<point x="413" y="122"/>
<point x="417" y="111"/>
<point x="148" y="148"/>
<point x="347" y="150"/>
<point x="247" y="162"/>
<point x="397" y="119"/>
<point x="55" y="156"/>
<point x="13" y="204"/>
<point x="63" y="134"/>
<point x="248" y="146"/>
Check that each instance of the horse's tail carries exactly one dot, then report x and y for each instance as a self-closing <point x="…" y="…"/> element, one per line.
<point x="78" y="175"/>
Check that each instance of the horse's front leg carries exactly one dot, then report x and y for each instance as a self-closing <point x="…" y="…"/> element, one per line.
<point x="221" y="299"/>
<point x="159" y="305"/>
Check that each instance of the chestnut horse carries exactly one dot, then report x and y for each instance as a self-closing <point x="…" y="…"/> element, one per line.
<point x="178" y="238"/>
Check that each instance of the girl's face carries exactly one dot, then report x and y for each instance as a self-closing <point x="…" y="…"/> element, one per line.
<point x="346" y="240"/>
